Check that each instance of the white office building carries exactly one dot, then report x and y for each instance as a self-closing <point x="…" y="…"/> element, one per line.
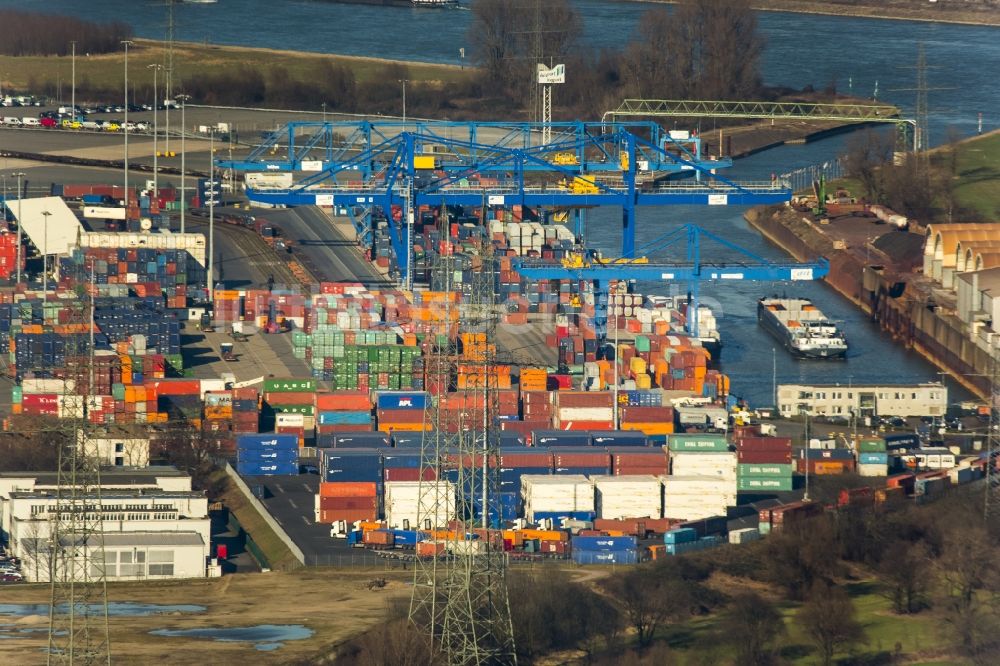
<point x="859" y="400"/>
<point x="154" y="525"/>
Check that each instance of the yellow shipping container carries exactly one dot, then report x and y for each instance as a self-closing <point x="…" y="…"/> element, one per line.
<point x="643" y="382"/>
<point x="424" y="162"/>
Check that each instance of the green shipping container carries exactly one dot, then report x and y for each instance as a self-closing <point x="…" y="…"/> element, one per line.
<point x="769" y="469"/>
<point x="697" y="443"/>
<point x="764" y="483"/>
<point x="289" y="385"/>
<point x="764" y="528"/>
<point x="305" y="410"/>
<point x="871" y="446"/>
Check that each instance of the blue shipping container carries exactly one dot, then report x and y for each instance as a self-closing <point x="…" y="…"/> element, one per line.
<point x="362" y="439"/>
<point x="266" y="469"/>
<point x="604" y="543"/>
<point x="605" y="556"/>
<point x="557" y="515"/>
<point x="267" y="455"/>
<point x="543" y="438"/>
<point x="619" y="438"/>
<point x="873" y="458"/>
<point x="683" y="535"/>
<point x="402" y="400"/>
<point x="344" y="418"/>
<point x="267" y="440"/>
<point x="408" y="537"/>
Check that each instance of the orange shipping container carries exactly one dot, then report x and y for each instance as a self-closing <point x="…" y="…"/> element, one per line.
<point x="343" y="401"/>
<point x="347" y="489"/>
<point x="544" y="535"/>
<point x="650" y="428"/>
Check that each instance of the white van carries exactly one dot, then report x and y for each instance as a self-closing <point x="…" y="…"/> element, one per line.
<point x="28" y="121"/>
<point x="12" y="122"/>
<point x="91" y="125"/>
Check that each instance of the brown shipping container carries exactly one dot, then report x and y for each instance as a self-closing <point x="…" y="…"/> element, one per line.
<point x="556" y="547"/>
<point x="400" y="416"/>
<point x="757" y="457"/>
<point x="353" y="503"/>
<point x="536" y="398"/>
<point x="430" y="548"/>
<point x="409" y="474"/>
<point x="245" y="394"/>
<point x="329" y="516"/>
<point x="633" y="470"/>
<point x="348" y="489"/>
<point x="581" y="459"/>
<point x="584" y="399"/>
<point x="529" y="458"/>
<point x="379" y="537"/>
<point x="744" y="431"/>
<point x="343" y="401"/>
<point x="634" y="414"/>
<point x="764" y="444"/>
<point x="301" y="398"/>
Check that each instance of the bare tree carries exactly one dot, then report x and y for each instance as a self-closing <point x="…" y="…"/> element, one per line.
<point x="652" y="598"/>
<point x="828" y="618"/>
<point x="868" y="153"/>
<point x="905" y="572"/>
<point x="750" y="625"/>
<point x="970" y="590"/>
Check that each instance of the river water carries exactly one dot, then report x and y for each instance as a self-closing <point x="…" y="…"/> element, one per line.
<point x="857" y="54"/>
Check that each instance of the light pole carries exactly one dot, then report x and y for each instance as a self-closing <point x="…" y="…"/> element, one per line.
<point x="403" y="81"/>
<point x="19" y="175"/>
<point x="324" y="112"/>
<point x="156" y="133"/>
<point x="126" y="43"/>
<point x="73" y="89"/>
<point x="45" y="255"/>
<point x="183" y="100"/>
<point x="211" y="216"/>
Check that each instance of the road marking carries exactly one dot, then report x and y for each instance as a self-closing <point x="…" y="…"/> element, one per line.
<point x="278" y="486"/>
<point x="292" y="502"/>
<point x="306" y="520"/>
<point x="307" y="488"/>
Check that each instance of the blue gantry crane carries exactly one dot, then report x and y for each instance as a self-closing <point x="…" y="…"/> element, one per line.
<point x="692" y="271"/>
<point x="399" y="167"/>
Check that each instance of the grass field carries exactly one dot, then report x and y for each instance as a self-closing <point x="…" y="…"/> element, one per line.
<point x="978" y="185"/>
<point x="278" y="554"/>
<point x="107" y="71"/>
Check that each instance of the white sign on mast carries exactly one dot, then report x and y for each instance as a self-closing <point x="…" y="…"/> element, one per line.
<point x="556" y="74"/>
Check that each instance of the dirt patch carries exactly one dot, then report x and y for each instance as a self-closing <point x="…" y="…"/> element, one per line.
<point x="334" y="604"/>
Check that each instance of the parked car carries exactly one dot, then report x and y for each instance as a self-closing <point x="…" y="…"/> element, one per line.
<point x="48" y="122"/>
<point x="13" y="577"/>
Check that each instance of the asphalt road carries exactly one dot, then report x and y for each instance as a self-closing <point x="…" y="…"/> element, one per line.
<point x="326" y="251"/>
<point x="291" y="501"/>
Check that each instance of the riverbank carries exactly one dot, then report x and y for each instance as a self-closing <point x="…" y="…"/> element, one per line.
<point x="901" y="10"/>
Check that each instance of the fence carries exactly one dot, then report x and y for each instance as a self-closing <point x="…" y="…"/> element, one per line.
<point x="265" y="514"/>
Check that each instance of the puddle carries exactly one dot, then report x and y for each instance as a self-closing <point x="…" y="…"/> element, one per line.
<point x="266" y="637"/>
<point x="115" y="608"/>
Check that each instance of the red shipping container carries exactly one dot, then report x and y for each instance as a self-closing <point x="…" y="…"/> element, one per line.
<point x="527" y="458"/>
<point x="298" y="398"/>
<point x="245" y="394"/>
<point x="556" y="547"/>
<point x="764" y="444"/>
<point x="760" y="457"/>
<point x="330" y="516"/>
<point x="636" y="414"/>
<point x="400" y="416"/>
<point x="176" y="386"/>
<point x="379" y="537"/>
<point x="409" y="474"/>
<point x="353" y="503"/>
<point x="343" y="401"/>
<point x="597" y="458"/>
<point x="348" y="489"/>
<point x="584" y="399"/>
<point x="221" y="551"/>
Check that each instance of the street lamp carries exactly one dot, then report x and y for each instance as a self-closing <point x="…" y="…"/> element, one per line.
<point x="127" y="43"/>
<point x="156" y="151"/>
<point x="45" y="254"/>
<point x="324" y="111"/>
<point x="403" y="81"/>
<point x="183" y="99"/>
<point x="19" y="175"/>
<point x="211" y="217"/>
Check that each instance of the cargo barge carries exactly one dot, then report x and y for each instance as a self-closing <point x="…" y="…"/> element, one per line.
<point x="802" y="328"/>
<point x="429" y="4"/>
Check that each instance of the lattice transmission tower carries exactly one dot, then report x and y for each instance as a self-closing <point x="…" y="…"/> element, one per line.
<point x="991" y="498"/>
<point x="78" y="613"/>
<point x="460" y="599"/>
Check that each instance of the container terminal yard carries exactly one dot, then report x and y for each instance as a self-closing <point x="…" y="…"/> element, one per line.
<point x="397" y="343"/>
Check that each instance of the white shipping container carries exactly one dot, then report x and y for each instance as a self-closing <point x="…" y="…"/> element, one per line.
<point x="543" y="493"/>
<point x="873" y="470"/>
<point x="289" y="420"/>
<point x="722" y="464"/>
<point x="638" y="496"/>
<point x="745" y="535"/>
<point x="59" y="386"/>
<point x="70" y="406"/>
<point x="468" y="547"/>
<point x="585" y="414"/>
<point x="693" y="512"/>
<point x="414" y="503"/>
<point x="694" y="485"/>
<point x="212" y="385"/>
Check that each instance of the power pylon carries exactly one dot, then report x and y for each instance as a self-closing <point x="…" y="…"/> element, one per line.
<point x="991" y="499"/>
<point x="460" y="601"/>
<point x="78" y="614"/>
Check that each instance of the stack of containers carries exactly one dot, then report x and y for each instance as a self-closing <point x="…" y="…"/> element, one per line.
<point x="342" y="411"/>
<point x="533" y="379"/>
<point x="587" y="460"/>
<point x="347" y="501"/>
<point x="697" y="497"/>
<point x="554" y="497"/>
<point x="355" y="440"/>
<point x="402" y="411"/>
<point x="536" y="409"/>
<point x="351" y="465"/>
<point x="826" y="461"/>
<point x="619" y="438"/>
<point x="419" y="504"/>
<point x="583" y="410"/>
<point x="516" y="462"/>
<point x="290" y="407"/>
<point x="145" y="271"/>
<point x="628" y="496"/>
<point x="218" y="413"/>
<point x="557" y="438"/>
<point x="48" y="397"/>
<point x="647" y="418"/>
<point x="873" y="459"/>
<point x="246" y="410"/>
<point x="405" y="465"/>
<point x="686" y="540"/>
<point x="626" y="461"/>
<point x="605" y="550"/>
<point x="765" y="464"/>
<point x="268" y="454"/>
<point x="179" y="399"/>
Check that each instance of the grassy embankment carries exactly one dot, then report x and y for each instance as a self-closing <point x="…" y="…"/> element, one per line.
<point x="977" y="184"/>
<point x="191" y="60"/>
